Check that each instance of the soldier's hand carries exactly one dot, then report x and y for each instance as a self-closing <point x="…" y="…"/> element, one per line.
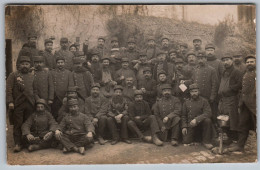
<point x="143" y="90"/>
<point x="165" y="120"/>
<point x="50" y="101"/>
<point x="193" y="123"/>
<point x="163" y="128"/>
<point x="134" y="87"/>
<point x="95" y="120"/>
<point x="89" y="135"/>
<point x="137" y="117"/>
<point x="48" y="136"/>
<point x="184" y="131"/>
<point x="58" y="134"/>
<point x="122" y="78"/>
<point x="11" y="106"/>
<point x="30" y="137"/>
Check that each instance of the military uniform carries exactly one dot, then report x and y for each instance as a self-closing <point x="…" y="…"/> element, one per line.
<point x="49" y="59"/>
<point x="19" y="91"/>
<point x="132" y="55"/>
<point x="247" y="116"/>
<point x="62" y="79"/>
<point x="116" y="107"/>
<point x="39" y="124"/>
<point x="146" y="121"/>
<point x="128" y="93"/>
<point x="42" y="84"/>
<point x="151" y="51"/>
<point x="171" y="108"/>
<point x="198" y="109"/>
<point x="97" y="108"/>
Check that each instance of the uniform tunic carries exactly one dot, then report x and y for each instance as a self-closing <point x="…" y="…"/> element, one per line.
<point x="96" y="107"/>
<point x="50" y="61"/>
<point x="128" y="93"/>
<point x="217" y="65"/>
<point x="43" y="85"/>
<point x="150" y="87"/>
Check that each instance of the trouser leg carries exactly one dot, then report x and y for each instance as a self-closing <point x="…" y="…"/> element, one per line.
<point x="55" y="107"/>
<point x="102" y="122"/>
<point x="112" y="128"/>
<point x="153" y="124"/>
<point x="80" y="140"/>
<point x="66" y="142"/>
<point x="206" y="130"/>
<point x="189" y="137"/>
<point x="124" y="130"/>
<point x="133" y="127"/>
<point x="175" y="131"/>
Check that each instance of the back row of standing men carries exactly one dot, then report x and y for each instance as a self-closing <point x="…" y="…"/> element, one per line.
<point x="166" y="89"/>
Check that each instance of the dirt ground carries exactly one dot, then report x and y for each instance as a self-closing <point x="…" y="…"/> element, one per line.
<point x="135" y="153"/>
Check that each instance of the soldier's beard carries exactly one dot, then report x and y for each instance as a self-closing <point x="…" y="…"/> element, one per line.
<point x="237" y="61"/>
<point x="24" y="70"/>
<point x="118" y="99"/>
<point x="38" y="68"/>
<point x="167" y="95"/>
<point x="250" y="67"/>
<point x="194" y="96"/>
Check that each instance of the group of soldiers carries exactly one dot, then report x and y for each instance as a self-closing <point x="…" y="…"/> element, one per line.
<point x="71" y="97"/>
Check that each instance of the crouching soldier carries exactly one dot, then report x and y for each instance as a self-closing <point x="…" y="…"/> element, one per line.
<point x="39" y="128"/>
<point x="96" y="108"/>
<point x="140" y="115"/>
<point x="168" y="111"/>
<point x="118" y="115"/>
<point x="76" y="130"/>
<point x="196" y="118"/>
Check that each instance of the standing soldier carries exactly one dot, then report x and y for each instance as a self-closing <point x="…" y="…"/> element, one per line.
<point x="62" y="79"/>
<point x="64" y="52"/>
<point x="151" y="49"/>
<point x="140" y="115"/>
<point x="148" y="86"/>
<point x="247" y="104"/>
<point x="118" y="116"/>
<point x="230" y="86"/>
<point x="239" y="63"/>
<point x="42" y="84"/>
<point x="128" y="89"/>
<point x="173" y="54"/>
<point x="139" y="67"/>
<point x="165" y="46"/>
<point x="192" y="63"/>
<point x="115" y="54"/>
<point x="96" y="108"/>
<point x="183" y="51"/>
<point x="131" y="52"/>
<point x="29" y="49"/>
<point x="197" y="44"/>
<point x="19" y="98"/>
<point x="162" y="80"/>
<point x="168" y="111"/>
<point x="39" y="127"/>
<point x="95" y="66"/>
<point x="76" y="130"/>
<point x="102" y="50"/>
<point x="213" y="61"/>
<point x="196" y="114"/>
<point x="47" y="54"/>
<point x="206" y="78"/>
<point x="82" y="78"/>
<point x="124" y="73"/>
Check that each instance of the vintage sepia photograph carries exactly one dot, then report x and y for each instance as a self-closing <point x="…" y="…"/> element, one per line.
<point x="130" y="84"/>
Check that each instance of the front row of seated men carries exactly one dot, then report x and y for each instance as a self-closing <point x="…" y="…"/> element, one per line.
<point x="76" y="129"/>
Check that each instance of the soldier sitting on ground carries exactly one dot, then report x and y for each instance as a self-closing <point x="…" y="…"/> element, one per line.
<point x="39" y="128"/>
<point x="141" y="119"/>
<point x="196" y="118"/>
<point x="76" y="130"/>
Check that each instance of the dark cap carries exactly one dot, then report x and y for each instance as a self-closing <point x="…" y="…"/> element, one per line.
<point x="105" y="58"/>
<point x="210" y="45"/>
<point x="95" y="52"/>
<point x="79" y="53"/>
<point x="191" y="52"/>
<point x="72" y="45"/>
<point x="250" y="56"/>
<point x="184" y="45"/>
<point x="77" y="44"/>
<point x="226" y="55"/>
<point x="47" y="41"/>
<point x="131" y="40"/>
<point x="166" y="86"/>
<point x="142" y="53"/>
<point x="41" y="101"/>
<point x="77" y="60"/>
<point x="165" y="37"/>
<point x="25" y="59"/>
<point x="173" y="51"/>
<point x="38" y="58"/>
<point x="125" y="59"/>
<point x="179" y="60"/>
<point x="147" y="69"/>
<point x="193" y="86"/>
<point x="64" y="40"/>
<point x="162" y="72"/>
<point x="196" y="38"/>
<point x="32" y="35"/>
<point x="73" y="102"/>
<point x="138" y="92"/>
<point x="114" y="39"/>
<point x="160" y="52"/>
<point x="118" y="87"/>
<point x="201" y="54"/>
<point x="150" y="38"/>
<point x="95" y="85"/>
<point x="59" y="57"/>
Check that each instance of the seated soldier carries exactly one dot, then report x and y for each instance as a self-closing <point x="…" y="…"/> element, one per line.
<point x="168" y="111"/>
<point x="128" y="89"/>
<point x="39" y="127"/>
<point x="72" y="93"/>
<point x="140" y="115"/>
<point x="76" y="130"/>
<point x="118" y="115"/>
<point x="196" y="118"/>
<point x="96" y="109"/>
